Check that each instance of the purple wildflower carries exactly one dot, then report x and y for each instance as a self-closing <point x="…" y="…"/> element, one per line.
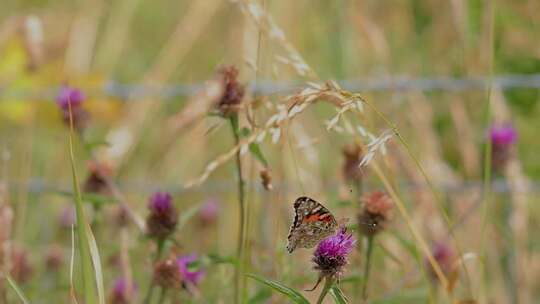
<point x="188" y="275"/>
<point x="331" y="254"/>
<point x="162" y="219"/>
<point x="503" y="135"/>
<point x="75" y="98"/>
<point x="68" y="217"/>
<point x="160" y="202"/>
<point x="69" y="95"/>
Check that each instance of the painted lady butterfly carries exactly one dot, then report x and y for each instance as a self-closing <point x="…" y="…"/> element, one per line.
<point x="312" y="223"/>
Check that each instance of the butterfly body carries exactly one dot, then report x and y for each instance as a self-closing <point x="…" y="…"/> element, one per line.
<point x="312" y="223"/>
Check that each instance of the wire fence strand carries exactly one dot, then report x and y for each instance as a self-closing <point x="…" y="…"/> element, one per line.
<point x="133" y="92"/>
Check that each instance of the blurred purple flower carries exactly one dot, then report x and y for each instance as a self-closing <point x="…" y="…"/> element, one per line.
<point x="162" y="219"/>
<point x="69" y="95"/>
<point x="331" y="254"/>
<point x="160" y="202"/>
<point x="503" y="135"/>
<point x="209" y="212"/>
<point x="68" y="217"/>
<point x="121" y="293"/>
<point x="192" y="276"/>
<point x="444" y="255"/>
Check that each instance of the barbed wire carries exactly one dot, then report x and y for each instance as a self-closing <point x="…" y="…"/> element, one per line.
<point x="134" y="92"/>
<point x="39" y="186"/>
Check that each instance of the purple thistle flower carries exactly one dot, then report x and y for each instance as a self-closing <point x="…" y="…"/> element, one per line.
<point x="502" y="138"/>
<point x="188" y="275"/>
<point x="160" y="202"/>
<point x="331" y="254"/>
<point x="69" y="95"/>
<point x="162" y="219"/>
<point x="503" y="135"/>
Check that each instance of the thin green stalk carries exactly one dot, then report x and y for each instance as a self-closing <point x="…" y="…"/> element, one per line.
<point x="369" y="251"/>
<point x="327" y="285"/>
<point x="359" y="185"/>
<point x="149" y="293"/>
<point x="241" y="202"/>
<point x="487" y="153"/>
<point x="162" y="295"/>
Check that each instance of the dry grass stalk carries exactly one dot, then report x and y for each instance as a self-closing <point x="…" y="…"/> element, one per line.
<point x="273" y="126"/>
<point x="467" y="145"/>
<point x="82" y="38"/>
<point x="265" y="22"/>
<point x="196" y="107"/>
<point x="116" y="32"/>
<point x="186" y="33"/>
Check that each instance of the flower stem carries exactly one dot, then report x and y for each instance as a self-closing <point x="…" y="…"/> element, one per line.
<point x="369" y="250"/>
<point x="327" y="285"/>
<point x="160" y="246"/>
<point x="162" y="295"/>
<point x="359" y="185"/>
<point x="241" y="202"/>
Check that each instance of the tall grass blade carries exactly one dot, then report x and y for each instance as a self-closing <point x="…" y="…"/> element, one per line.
<point x="16" y="288"/>
<point x="91" y="265"/>
<point x="292" y="294"/>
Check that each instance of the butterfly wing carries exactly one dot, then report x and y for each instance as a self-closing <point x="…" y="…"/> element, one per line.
<point x="312" y="222"/>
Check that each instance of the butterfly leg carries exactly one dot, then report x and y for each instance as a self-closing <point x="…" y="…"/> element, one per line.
<point x="316" y="284"/>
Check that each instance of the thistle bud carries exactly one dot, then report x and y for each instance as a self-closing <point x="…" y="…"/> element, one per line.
<point x="96" y="182"/>
<point x="351" y="166"/>
<point x="167" y="275"/>
<point x="233" y="91"/>
<point x="54" y="258"/>
<point x="375" y="213"/>
<point x="163" y="216"/>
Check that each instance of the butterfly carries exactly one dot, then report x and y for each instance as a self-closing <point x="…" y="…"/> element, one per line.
<point x="312" y="223"/>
